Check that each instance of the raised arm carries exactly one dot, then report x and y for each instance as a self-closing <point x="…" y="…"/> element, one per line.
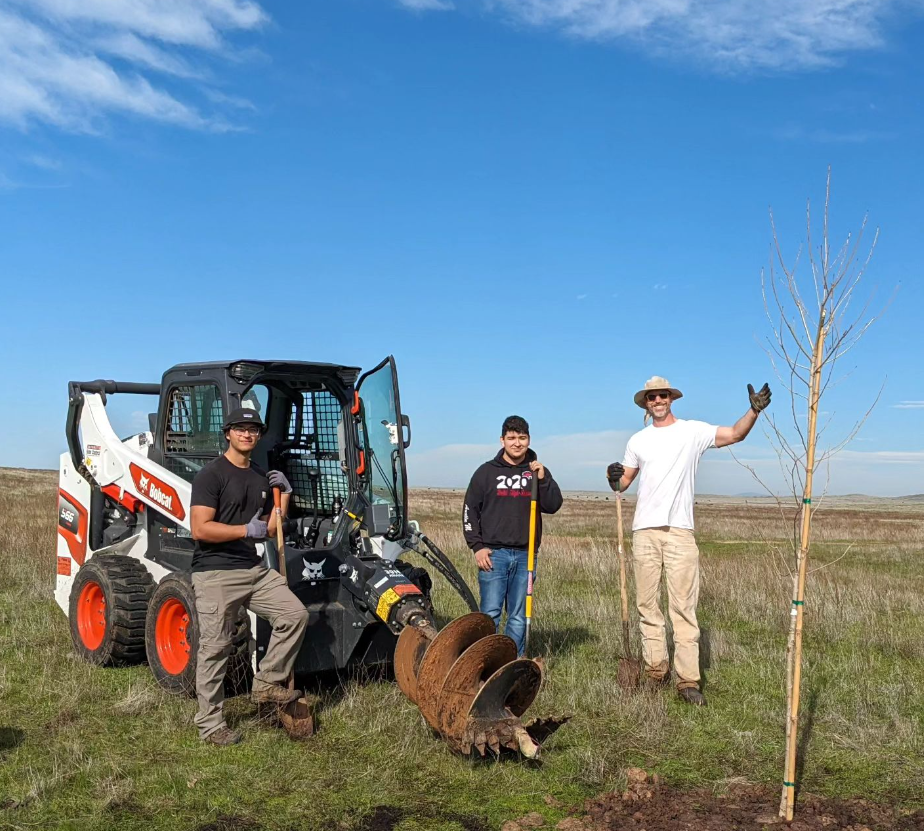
<point x="725" y="436"/>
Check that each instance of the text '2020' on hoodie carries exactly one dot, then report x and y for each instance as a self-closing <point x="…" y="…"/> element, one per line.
<point x="496" y="513"/>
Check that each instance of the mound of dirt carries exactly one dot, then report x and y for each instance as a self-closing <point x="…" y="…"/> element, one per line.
<point x="648" y="805"/>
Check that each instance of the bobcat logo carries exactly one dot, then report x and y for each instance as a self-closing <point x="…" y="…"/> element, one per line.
<point x="143" y="482"/>
<point x="313" y="571"/>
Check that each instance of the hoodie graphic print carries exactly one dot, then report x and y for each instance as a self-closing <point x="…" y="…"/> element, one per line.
<point x="496" y="513"/>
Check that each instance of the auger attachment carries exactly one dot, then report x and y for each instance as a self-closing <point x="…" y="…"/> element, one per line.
<point x="470" y="686"/>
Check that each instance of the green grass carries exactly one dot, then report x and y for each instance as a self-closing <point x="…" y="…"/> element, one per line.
<point x="89" y="748"/>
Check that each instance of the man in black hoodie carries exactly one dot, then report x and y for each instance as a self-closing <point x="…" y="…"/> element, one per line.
<point x="496" y="524"/>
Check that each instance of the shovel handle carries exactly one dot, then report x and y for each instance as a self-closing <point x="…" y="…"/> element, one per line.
<point x="281" y="553"/>
<point x="531" y="555"/>
<point x="280" y="536"/>
<point x="623" y="586"/>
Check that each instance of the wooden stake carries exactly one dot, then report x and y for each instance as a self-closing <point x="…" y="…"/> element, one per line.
<point x="794" y="653"/>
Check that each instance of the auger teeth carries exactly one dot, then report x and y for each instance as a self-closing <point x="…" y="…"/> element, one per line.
<point x="470" y="686"/>
<point x="524" y="743"/>
<point x="481" y="742"/>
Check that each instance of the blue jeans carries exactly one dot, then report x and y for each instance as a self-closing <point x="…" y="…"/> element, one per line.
<point x="504" y="585"/>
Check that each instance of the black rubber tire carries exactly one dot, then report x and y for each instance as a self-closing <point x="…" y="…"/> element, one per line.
<point x="126" y="588"/>
<point x="177" y="586"/>
<point x="239" y="674"/>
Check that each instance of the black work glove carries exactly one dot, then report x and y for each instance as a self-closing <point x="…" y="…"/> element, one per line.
<point x="278" y="480"/>
<point x="759" y="399"/>
<point x="613" y="474"/>
<point x="256" y="528"/>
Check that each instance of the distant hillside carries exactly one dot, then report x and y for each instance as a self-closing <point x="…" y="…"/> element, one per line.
<point x="916" y="498"/>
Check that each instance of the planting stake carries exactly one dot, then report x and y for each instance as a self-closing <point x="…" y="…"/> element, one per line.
<point x="794" y="664"/>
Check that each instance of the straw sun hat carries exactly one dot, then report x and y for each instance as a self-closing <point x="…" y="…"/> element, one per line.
<point x="656" y="383"/>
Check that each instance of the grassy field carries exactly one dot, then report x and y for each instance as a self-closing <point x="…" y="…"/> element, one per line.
<point x="89" y="748"/>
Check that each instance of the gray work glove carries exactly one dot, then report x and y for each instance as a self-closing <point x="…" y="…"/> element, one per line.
<point x="760" y="399"/>
<point x="613" y="474"/>
<point x="278" y="480"/>
<point x="256" y="528"/>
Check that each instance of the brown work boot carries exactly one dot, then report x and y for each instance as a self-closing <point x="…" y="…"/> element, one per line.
<point x="692" y="695"/>
<point x="274" y="694"/>
<point x="224" y="736"/>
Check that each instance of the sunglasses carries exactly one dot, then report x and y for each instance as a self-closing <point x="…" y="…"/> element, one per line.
<point x="654" y="396"/>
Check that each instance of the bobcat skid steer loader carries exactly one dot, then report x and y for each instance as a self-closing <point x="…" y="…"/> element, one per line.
<point x="124" y="548"/>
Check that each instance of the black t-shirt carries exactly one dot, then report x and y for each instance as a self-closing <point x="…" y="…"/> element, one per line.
<point x="236" y="494"/>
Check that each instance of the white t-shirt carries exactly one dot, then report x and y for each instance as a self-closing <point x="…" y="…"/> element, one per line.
<point x="667" y="458"/>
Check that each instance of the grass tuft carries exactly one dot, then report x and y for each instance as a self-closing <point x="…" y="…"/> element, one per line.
<point x="89" y="748"/>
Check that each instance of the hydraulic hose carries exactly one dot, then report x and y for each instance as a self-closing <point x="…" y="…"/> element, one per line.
<point x="433" y="555"/>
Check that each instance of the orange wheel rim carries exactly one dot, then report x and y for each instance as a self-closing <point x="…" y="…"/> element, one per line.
<point x="171" y="636"/>
<point x="91" y="615"/>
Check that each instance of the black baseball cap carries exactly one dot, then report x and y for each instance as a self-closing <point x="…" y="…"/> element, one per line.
<point x="243" y="415"/>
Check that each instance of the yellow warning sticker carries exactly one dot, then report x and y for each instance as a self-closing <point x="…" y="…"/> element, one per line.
<point x="386" y="601"/>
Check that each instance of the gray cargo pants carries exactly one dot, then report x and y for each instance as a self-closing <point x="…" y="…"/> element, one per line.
<point x="219" y="596"/>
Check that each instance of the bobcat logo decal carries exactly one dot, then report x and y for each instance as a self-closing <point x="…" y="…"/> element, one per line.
<point x="313" y="571"/>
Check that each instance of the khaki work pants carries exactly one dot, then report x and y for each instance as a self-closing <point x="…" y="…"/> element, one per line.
<point x="673" y="551"/>
<point x="219" y="596"/>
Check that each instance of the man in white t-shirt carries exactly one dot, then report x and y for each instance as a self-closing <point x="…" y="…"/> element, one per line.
<point x="665" y="456"/>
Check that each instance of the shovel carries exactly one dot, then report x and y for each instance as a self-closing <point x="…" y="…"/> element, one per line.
<point x="296" y="717"/>
<point x="629" y="671"/>
<point x="531" y="557"/>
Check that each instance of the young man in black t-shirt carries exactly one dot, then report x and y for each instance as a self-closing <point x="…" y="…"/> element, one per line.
<point x="232" y="508"/>
<point x="495" y="523"/>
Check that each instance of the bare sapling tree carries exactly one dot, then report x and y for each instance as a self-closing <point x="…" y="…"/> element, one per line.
<point x="815" y="319"/>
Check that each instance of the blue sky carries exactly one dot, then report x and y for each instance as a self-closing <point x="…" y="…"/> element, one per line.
<point x="535" y="205"/>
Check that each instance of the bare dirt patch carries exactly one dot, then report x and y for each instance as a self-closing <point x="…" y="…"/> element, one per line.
<point x="388" y="817"/>
<point x="648" y="804"/>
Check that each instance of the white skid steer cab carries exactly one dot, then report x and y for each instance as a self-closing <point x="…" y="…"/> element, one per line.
<point x="124" y="547"/>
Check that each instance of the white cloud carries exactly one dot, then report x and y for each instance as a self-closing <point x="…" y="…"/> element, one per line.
<point x="71" y="63"/>
<point x="8" y="184"/>
<point x="796" y="132"/>
<point x="726" y="34"/>
<point x="578" y="462"/>
<point x="43" y="162"/>
<point x="428" y="5"/>
<point x="883" y="457"/>
<point x="909" y="405"/>
<point x="135" y="50"/>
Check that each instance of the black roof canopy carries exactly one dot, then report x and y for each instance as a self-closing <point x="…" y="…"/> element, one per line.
<point x="346" y="375"/>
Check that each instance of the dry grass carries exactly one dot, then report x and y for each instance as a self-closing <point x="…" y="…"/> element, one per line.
<point x="88" y="748"/>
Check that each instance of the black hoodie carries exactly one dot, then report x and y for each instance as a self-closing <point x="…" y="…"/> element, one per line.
<point x="496" y="511"/>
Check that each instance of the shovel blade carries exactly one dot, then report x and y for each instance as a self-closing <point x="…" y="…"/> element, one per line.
<point x="628" y="674"/>
<point x="297" y="718"/>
